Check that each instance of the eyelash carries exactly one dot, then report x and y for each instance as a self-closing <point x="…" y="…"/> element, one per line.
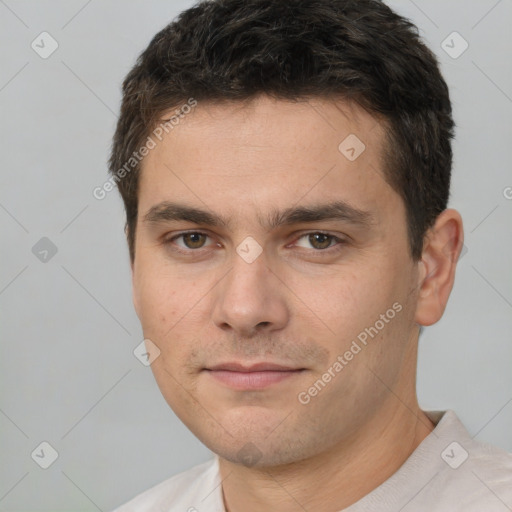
<point x="329" y="250"/>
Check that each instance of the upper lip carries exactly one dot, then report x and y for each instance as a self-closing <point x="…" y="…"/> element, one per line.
<point x="258" y="367"/>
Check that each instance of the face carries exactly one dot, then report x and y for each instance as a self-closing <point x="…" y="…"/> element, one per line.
<point x="272" y="271"/>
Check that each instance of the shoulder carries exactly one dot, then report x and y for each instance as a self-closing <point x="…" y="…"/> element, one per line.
<point x="448" y="472"/>
<point x="490" y="471"/>
<point x="472" y="475"/>
<point x="182" y="492"/>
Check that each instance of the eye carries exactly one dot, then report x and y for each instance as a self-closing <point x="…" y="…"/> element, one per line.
<point x="319" y="241"/>
<point x="190" y="240"/>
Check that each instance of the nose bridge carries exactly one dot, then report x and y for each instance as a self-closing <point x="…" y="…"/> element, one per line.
<point x="247" y="278"/>
<point x="249" y="295"/>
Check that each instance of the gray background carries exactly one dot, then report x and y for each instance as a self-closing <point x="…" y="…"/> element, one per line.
<point x="68" y="374"/>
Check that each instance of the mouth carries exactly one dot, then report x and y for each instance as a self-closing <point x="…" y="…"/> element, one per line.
<point x="250" y="377"/>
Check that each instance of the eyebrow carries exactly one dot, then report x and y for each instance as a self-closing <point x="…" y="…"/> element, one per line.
<point x="167" y="211"/>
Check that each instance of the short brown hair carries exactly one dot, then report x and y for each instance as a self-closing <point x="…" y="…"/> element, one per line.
<point x="357" y="50"/>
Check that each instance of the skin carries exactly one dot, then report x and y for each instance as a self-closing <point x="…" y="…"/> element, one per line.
<point x="297" y="303"/>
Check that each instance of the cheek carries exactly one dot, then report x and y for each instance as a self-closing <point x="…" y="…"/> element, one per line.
<point x="157" y="301"/>
<point x="351" y="299"/>
<point x="351" y="309"/>
<point x="172" y="311"/>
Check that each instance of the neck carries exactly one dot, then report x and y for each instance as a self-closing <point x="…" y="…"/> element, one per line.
<point x="333" y="480"/>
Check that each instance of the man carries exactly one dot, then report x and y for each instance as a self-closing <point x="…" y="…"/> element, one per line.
<point x="285" y="168"/>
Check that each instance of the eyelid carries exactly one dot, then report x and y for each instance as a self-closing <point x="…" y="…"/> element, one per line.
<point x="168" y="240"/>
<point x="340" y="241"/>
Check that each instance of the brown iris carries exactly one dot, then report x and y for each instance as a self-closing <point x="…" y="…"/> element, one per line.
<point x="194" y="240"/>
<point x="320" y="240"/>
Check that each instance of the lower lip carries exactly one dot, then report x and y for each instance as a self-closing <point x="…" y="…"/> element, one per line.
<point x="252" y="380"/>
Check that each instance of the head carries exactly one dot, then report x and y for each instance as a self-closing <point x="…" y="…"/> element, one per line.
<point x="289" y="208"/>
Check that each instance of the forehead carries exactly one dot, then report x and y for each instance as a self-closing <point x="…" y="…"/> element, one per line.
<point x="246" y="158"/>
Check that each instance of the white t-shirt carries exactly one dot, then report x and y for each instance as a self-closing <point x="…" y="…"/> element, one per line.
<point x="448" y="472"/>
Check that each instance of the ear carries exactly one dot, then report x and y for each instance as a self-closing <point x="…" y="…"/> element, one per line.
<point x="441" y="250"/>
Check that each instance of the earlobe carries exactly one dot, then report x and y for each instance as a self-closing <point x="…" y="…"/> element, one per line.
<point x="436" y="270"/>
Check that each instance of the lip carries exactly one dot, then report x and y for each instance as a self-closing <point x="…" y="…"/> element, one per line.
<point x="258" y="367"/>
<point x="250" y="377"/>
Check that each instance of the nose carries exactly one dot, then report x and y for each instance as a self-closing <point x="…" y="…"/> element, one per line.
<point x="250" y="300"/>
